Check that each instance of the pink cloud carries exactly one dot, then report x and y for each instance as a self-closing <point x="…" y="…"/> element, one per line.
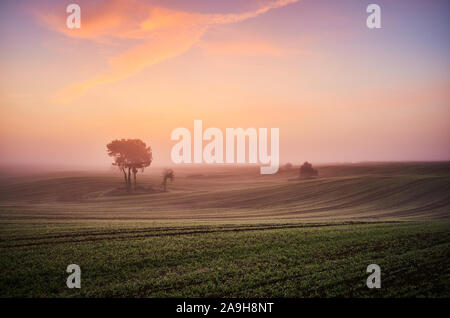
<point x="165" y="33"/>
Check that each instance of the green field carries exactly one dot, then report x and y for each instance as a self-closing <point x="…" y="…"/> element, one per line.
<point x="229" y="233"/>
<point x="265" y="260"/>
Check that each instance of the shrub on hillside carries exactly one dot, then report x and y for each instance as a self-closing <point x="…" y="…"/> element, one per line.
<point x="307" y="171"/>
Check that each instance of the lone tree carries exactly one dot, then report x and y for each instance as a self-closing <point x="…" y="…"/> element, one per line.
<point x="307" y="171"/>
<point x="130" y="155"/>
<point x="167" y="175"/>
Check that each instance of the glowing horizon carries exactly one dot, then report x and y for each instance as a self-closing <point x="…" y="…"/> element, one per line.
<point x="337" y="91"/>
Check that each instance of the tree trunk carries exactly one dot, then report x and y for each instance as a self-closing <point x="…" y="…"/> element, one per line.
<point x="129" y="179"/>
<point x="164" y="184"/>
<point x="134" y="173"/>
<point x="125" y="176"/>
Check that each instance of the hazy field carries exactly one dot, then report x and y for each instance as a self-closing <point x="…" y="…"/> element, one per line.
<point x="352" y="192"/>
<point x="228" y="232"/>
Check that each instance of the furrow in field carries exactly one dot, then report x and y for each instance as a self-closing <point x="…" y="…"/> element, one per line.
<point x="117" y="235"/>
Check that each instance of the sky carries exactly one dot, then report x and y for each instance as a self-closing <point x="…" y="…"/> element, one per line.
<point x="337" y="90"/>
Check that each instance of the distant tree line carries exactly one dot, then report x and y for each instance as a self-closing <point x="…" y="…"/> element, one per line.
<point x="306" y="170"/>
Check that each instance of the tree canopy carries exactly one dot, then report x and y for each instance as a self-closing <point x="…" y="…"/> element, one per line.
<point x="130" y="155"/>
<point x="307" y="171"/>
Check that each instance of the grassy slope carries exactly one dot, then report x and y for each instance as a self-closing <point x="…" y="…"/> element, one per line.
<point x="290" y="260"/>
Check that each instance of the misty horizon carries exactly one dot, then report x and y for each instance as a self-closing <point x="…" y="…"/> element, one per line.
<point x="354" y="94"/>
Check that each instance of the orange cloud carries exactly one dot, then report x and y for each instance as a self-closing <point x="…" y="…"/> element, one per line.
<point x="233" y="18"/>
<point x="165" y="33"/>
<point x="130" y="62"/>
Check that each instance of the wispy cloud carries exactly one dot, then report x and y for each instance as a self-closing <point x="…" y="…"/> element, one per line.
<point x="163" y="34"/>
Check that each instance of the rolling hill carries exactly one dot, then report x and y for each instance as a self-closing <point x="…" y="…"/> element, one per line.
<point x="371" y="191"/>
